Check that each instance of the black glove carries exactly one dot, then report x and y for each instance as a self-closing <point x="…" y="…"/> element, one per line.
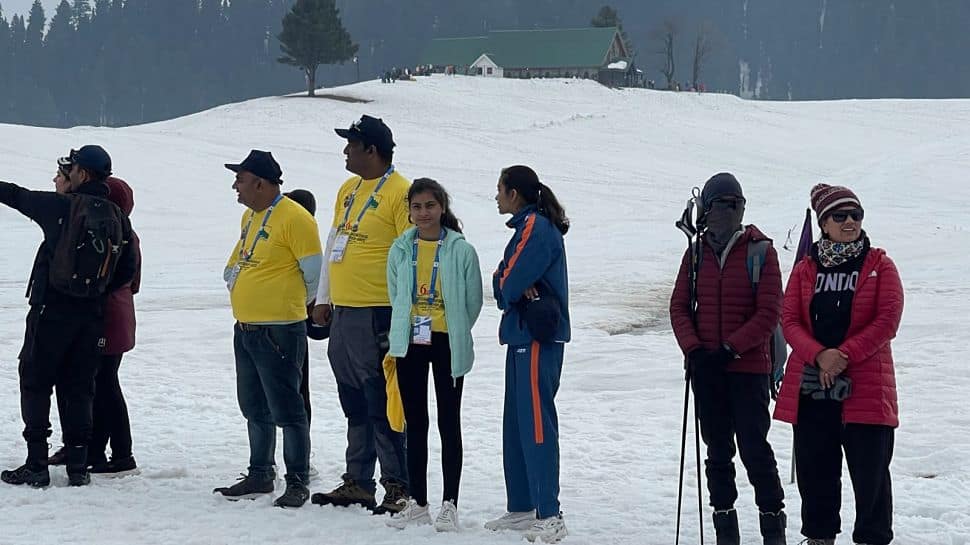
<point x="722" y="356"/>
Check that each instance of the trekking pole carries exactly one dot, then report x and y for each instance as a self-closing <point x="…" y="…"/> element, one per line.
<point x="683" y="450"/>
<point x="687" y="225"/>
<point x="804" y="247"/>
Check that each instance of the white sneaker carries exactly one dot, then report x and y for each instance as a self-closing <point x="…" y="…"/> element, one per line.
<point x="447" y="520"/>
<point x="516" y="520"/>
<point x="312" y="473"/>
<point x="412" y="515"/>
<point x="549" y="530"/>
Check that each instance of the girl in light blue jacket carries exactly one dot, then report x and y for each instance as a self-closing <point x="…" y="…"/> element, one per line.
<point x="435" y="285"/>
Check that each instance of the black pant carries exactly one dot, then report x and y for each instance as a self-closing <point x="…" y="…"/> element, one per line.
<point x="60" y="349"/>
<point x="820" y="438"/>
<point x="305" y="383"/>
<point x="733" y="405"/>
<point x="110" y="413"/>
<point x="412" y="379"/>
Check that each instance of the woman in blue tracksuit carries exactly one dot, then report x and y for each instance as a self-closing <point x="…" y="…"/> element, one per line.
<point x="531" y="288"/>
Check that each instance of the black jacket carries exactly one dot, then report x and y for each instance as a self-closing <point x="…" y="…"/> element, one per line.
<point x="49" y="210"/>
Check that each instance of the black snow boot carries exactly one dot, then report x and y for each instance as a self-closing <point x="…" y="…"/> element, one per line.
<point x="726" y="527"/>
<point x="773" y="527"/>
<point x="34" y="472"/>
<point x="296" y="493"/>
<point x="77" y="465"/>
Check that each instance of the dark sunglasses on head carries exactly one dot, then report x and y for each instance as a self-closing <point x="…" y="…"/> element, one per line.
<point x="726" y="204"/>
<point x="856" y="214"/>
<point x="64" y="165"/>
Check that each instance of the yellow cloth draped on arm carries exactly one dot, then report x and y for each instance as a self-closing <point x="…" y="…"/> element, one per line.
<point x="395" y="407"/>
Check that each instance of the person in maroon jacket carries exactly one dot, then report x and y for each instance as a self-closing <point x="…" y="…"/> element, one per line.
<point x="841" y="309"/>
<point x="110" y="410"/>
<point x="727" y="346"/>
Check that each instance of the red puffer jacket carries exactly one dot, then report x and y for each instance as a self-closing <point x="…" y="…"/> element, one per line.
<point x="876" y="310"/>
<point x="119" y="310"/>
<point x="728" y="310"/>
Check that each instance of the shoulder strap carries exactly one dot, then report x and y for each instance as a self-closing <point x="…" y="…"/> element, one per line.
<point x="757" y="250"/>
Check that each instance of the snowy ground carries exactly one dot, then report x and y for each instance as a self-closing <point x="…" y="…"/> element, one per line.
<point x="623" y="163"/>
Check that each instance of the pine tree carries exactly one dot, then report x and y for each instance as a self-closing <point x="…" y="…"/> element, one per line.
<point x="313" y="35"/>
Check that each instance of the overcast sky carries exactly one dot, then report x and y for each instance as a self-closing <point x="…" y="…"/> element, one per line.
<point x="23" y="7"/>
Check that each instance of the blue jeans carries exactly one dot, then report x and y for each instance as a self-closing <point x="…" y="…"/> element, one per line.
<point x="269" y="361"/>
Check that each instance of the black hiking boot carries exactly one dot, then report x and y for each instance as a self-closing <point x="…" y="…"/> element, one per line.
<point x="773" y="527"/>
<point x="295" y="495"/>
<point x="77" y="465"/>
<point x="347" y="494"/>
<point x="726" y="527"/>
<point x="247" y="488"/>
<point x="35" y="475"/>
<point x="116" y="467"/>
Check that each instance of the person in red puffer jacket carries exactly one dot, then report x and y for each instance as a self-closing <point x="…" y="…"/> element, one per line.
<point x="110" y="410"/>
<point x="726" y="342"/>
<point x="842" y="308"/>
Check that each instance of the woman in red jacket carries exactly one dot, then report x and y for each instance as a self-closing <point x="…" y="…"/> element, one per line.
<point x="841" y="310"/>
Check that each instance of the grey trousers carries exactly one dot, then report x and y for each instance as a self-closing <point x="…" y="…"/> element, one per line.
<point x="358" y="343"/>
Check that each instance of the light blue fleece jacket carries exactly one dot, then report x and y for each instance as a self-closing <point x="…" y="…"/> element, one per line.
<point x="461" y="287"/>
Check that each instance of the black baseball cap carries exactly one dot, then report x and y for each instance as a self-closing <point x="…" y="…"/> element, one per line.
<point x="260" y="163"/>
<point x="90" y="157"/>
<point x="371" y="131"/>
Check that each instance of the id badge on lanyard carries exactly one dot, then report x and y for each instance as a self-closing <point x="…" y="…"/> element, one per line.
<point x="339" y="247"/>
<point x="421" y="330"/>
<point x="233" y="276"/>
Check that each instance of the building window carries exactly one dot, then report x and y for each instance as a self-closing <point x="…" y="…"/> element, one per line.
<point x="489" y="70"/>
<point x="479" y="70"/>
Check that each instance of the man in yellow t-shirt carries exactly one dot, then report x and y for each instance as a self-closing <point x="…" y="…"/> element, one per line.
<point x="272" y="276"/>
<point x="370" y="211"/>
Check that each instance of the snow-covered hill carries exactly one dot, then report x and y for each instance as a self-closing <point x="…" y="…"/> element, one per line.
<point x="623" y="163"/>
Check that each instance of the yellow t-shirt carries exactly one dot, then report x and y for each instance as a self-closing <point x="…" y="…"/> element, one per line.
<point x="426" y="251"/>
<point x="270" y="287"/>
<point x="360" y="279"/>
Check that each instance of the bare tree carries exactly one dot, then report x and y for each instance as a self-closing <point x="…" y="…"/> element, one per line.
<point x="703" y="49"/>
<point x="665" y="36"/>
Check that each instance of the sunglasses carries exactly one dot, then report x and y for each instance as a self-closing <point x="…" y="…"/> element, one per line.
<point x="856" y="214"/>
<point x="726" y="204"/>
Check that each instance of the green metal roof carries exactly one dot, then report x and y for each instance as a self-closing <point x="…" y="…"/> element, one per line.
<point x="579" y="47"/>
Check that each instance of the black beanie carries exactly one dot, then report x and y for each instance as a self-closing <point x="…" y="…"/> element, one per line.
<point x="723" y="184"/>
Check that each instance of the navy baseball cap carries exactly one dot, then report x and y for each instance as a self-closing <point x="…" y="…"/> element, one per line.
<point x="90" y="157"/>
<point x="371" y="131"/>
<point x="259" y="163"/>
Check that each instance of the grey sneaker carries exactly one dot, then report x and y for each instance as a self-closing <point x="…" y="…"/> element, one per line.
<point x="347" y="494"/>
<point x="395" y="497"/>
<point x="548" y="530"/>
<point x="516" y="520"/>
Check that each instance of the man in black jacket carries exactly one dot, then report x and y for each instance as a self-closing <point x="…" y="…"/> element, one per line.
<point x="64" y="332"/>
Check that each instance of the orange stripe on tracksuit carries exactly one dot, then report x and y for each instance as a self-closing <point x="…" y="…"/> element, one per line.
<point x="526" y="233"/>
<point x="534" y="386"/>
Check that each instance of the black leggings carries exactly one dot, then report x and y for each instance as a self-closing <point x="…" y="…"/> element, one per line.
<point x="110" y="413"/>
<point x="412" y="378"/>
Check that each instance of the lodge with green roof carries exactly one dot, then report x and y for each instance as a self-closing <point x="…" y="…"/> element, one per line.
<point x="589" y="53"/>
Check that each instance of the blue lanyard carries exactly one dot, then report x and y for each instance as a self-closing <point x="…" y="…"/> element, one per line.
<point x="353" y="197"/>
<point x="246" y="256"/>
<point x="432" y="294"/>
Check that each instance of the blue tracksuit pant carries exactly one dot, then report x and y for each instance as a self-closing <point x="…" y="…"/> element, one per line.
<point x="531" y="428"/>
